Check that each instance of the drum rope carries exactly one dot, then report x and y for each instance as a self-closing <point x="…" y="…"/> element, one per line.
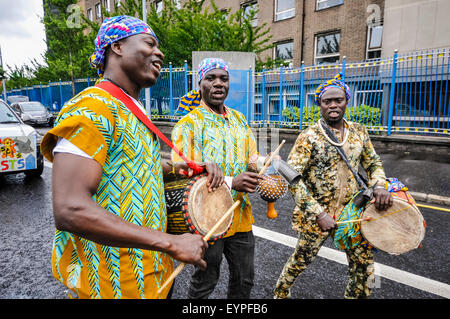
<point x="397" y="211"/>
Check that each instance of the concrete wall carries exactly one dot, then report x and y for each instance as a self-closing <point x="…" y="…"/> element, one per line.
<point x="235" y="60"/>
<point x="414" y="25"/>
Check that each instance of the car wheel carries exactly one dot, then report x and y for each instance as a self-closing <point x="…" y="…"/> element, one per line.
<point x="33" y="173"/>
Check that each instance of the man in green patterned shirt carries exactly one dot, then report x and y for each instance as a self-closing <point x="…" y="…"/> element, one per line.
<point x="216" y="133"/>
<point x="327" y="186"/>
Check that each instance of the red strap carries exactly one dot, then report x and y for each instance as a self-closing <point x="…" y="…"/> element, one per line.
<point x="116" y="92"/>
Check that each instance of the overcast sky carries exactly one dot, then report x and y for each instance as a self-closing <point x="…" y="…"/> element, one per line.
<point x="22" y="36"/>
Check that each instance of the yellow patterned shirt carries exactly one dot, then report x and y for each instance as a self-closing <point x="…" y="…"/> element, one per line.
<point x="205" y="136"/>
<point x="131" y="187"/>
<point x="327" y="183"/>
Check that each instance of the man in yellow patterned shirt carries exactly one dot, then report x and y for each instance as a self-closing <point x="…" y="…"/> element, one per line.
<point x="108" y="191"/>
<point x="213" y="132"/>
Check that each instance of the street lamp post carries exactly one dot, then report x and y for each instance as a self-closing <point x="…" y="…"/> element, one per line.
<point x="3" y="80"/>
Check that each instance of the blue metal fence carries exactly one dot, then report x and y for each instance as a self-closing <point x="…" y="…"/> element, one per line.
<point x="403" y="94"/>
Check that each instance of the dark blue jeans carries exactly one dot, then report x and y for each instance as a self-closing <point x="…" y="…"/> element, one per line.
<point x="239" y="251"/>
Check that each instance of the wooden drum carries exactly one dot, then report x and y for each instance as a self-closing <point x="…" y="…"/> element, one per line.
<point x="397" y="230"/>
<point x="191" y="208"/>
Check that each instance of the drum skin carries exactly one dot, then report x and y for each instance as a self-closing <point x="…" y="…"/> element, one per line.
<point x="205" y="209"/>
<point x="397" y="230"/>
<point x="191" y="208"/>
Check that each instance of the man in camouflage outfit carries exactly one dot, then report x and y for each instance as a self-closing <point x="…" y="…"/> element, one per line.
<point x="327" y="186"/>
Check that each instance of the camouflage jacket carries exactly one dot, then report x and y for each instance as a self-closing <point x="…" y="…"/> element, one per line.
<point x="327" y="183"/>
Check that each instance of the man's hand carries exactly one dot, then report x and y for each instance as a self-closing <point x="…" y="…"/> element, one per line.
<point x="256" y="162"/>
<point x="215" y="173"/>
<point x="246" y="182"/>
<point x="326" y="222"/>
<point x="189" y="248"/>
<point x="382" y="199"/>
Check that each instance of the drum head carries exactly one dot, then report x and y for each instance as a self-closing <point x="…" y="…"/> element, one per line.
<point x="396" y="230"/>
<point x="205" y="209"/>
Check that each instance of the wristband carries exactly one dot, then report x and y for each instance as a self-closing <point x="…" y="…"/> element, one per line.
<point x="228" y="181"/>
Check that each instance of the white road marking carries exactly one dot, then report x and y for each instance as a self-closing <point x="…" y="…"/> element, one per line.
<point x="400" y="276"/>
<point x="391" y="273"/>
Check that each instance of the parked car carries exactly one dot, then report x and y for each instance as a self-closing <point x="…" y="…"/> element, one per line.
<point x="19" y="145"/>
<point x="17" y="98"/>
<point x="33" y="113"/>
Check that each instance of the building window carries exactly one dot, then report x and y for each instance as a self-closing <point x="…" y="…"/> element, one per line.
<point x="250" y="7"/>
<point x="98" y="11"/>
<point x="158" y="7"/>
<point x="327" y="48"/>
<point x="372" y="97"/>
<point x="285" y="51"/>
<point x="325" y="4"/>
<point x="107" y="5"/>
<point x="374" y="38"/>
<point x="284" y="9"/>
<point x="89" y="14"/>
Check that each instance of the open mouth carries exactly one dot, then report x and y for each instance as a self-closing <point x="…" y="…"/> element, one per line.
<point x="157" y="65"/>
<point x="218" y="94"/>
<point x="333" y="114"/>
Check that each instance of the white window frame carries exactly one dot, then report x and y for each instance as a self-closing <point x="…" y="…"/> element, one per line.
<point x="327" y="6"/>
<point x="161" y="8"/>
<point x="291" y="61"/>
<point x="251" y="4"/>
<point x="98" y="11"/>
<point x="107" y="5"/>
<point x="90" y="15"/>
<point x="369" y="37"/>
<point x="283" y="15"/>
<point x="364" y="93"/>
<point x="316" y="38"/>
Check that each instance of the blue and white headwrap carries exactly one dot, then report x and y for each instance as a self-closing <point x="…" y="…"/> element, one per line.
<point x="209" y="64"/>
<point x="336" y="82"/>
<point x="112" y="30"/>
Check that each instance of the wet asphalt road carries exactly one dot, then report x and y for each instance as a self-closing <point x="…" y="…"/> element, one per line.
<point x="26" y="233"/>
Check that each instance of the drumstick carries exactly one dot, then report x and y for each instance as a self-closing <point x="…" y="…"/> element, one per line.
<point x="365" y="219"/>
<point x="263" y="170"/>
<point x="209" y="234"/>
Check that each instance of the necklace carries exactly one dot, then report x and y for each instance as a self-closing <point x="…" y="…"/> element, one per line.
<point x="328" y="138"/>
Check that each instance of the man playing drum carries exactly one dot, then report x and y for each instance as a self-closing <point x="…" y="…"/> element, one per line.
<point x="214" y="132"/>
<point x="108" y="190"/>
<point x="327" y="186"/>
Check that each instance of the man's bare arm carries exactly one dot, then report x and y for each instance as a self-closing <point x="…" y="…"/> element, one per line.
<point x="75" y="180"/>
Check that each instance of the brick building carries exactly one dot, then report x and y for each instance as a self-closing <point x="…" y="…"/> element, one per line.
<point x="313" y="31"/>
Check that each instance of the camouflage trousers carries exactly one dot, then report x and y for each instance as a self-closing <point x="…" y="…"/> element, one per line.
<point x="311" y="238"/>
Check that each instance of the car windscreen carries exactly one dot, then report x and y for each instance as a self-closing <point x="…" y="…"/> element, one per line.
<point x="32" y="106"/>
<point x="6" y="115"/>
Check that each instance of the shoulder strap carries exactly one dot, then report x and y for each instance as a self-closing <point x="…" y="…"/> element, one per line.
<point x="341" y="152"/>
<point x="116" y="92"/>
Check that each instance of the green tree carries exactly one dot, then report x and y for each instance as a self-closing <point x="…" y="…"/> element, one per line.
<point x="197" y="28"/>
<point x="69" y="43"/>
